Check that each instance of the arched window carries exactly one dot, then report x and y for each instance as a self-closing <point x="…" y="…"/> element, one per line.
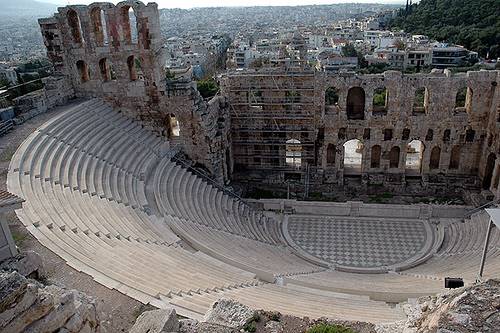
<point x="470" y="135"/>
<point x="83" y="71"/>
<point x="175" y="129"/>
<point x="75" y="26"/>
<point x="435" y="158"/>
<point x="387" y="134"/>
<point x="375" y="156"/>
<point x="420" y="100"/>
<point x="488" y="171"/>
<point x="98" y="20"/>
<point x="394" y="157"/>
<point x="331" y="100"/>
<point x="446" y="135"/>
<point x="105" y="70"/>
<point x="341" y="133"/>
<point x="355" y="103"/>
<point x="293" y="154"/>
<point x="128" y="24"/>
<point x="430" y="135"/>
<point x="366" y="134"/>
<point x="330" y="154"/>
<point x="353" y="155"/>
<point x="414" y="155"/>
<point x="132" y="73"/>
<point x="380" y="98"/>
<point x="455" y="158"/>
<point x="406" y="134"/>
<point x="331" y="96"/>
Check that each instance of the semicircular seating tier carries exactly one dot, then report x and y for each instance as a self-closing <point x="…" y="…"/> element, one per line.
<point x="102" y="193"/>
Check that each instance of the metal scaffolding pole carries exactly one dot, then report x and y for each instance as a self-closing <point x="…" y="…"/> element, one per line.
<point x="485" y="250"/>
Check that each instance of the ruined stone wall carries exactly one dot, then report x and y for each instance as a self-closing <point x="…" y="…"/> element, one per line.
<point x="115" y="52"/>
<point x="443" y="127"/>
<point x="102" y="53"/>
<point x="490" y="158"/>
<point x="275" y="125"/>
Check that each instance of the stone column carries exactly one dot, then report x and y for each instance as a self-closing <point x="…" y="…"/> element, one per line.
<point x="7" y="245"/>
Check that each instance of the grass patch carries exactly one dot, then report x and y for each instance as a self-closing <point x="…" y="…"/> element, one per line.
<point x="251" y="325"/>
<point x="380" y="198"/>
<point x="328" y="328"/>
<point x="18" y="237"/>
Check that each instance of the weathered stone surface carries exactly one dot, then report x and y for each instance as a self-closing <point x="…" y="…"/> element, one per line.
<point x="228" y="312"/>
<point x="28" y="264"/>
<point x="28" y="306"/>
<point x="156" y="321"/>
<point x="464" y="310"/>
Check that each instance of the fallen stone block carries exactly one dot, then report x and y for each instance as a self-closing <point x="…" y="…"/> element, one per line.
<point x="156" y="321"/>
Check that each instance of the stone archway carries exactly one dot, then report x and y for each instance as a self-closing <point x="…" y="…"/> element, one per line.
<point x="488" y="171"/>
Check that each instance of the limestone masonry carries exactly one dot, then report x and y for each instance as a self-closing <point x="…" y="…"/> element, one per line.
<point x="290" y="122"/>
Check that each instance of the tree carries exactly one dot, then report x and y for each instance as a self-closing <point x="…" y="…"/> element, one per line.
<point x="471" y="23"/>
<point x="208" y="88"/>
<point x="349" y="51"/>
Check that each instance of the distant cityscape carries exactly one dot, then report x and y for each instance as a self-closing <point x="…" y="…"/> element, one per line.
<point x="333" y="38"/>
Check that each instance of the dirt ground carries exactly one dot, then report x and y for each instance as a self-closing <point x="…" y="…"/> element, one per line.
<point x="117" y="312"/>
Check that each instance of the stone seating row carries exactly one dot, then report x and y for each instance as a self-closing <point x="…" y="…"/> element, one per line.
<point x="266" y="260"/>
<point x="464" y="265"/>
<point x="50" y="203"/>
<point x="118" y="261"/>
<point x="180" y="193"/>
<point x="468" y="236"/>
<point x="104" y="154"/>
<point x="296" y="301"/>
<point x="390" y="287"/>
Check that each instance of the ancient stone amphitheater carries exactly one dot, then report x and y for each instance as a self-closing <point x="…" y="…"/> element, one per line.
<point x="105" y="195"/>
<point x="105" y="189"/>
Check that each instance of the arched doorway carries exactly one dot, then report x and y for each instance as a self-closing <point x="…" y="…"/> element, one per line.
<point x="435" y="158"/>
<point x="488" y="171"/>
<point x="375" y="157"/>
<point x="353" y="155"/>
<point x="330" y="154"/>
<point x="414" y="154"/>
<point x="455" y="158"/>
<point x="394" y="157"/>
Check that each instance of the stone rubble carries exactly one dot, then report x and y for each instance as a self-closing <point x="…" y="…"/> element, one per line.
<point x="469" y="309"/>
<point x="156" y="321"/>
<point x="228" y="312"/>
<point x="28" y="306"/>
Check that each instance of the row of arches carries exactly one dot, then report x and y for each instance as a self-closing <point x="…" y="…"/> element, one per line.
<point x="355" y="103"/>
<point x="353" y="156"/>
<point x="127" y="23"/>
<point x="107" y="71"/>
<point x="388" y="134"/>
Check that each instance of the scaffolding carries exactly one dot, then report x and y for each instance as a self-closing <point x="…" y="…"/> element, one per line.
<point x="268" y="109"/>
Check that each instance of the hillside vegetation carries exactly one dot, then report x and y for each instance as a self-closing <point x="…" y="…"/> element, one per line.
<point x="474" y="24"/>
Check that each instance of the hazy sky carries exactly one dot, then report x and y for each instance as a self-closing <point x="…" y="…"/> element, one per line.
<point x="218" y="3"/>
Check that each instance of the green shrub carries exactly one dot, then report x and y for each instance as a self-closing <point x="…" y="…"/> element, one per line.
<point x="327" y="328"/>
<point x="208" y="88"/>
<point x="250" y="327"/>
<point x="275" y="316"/>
